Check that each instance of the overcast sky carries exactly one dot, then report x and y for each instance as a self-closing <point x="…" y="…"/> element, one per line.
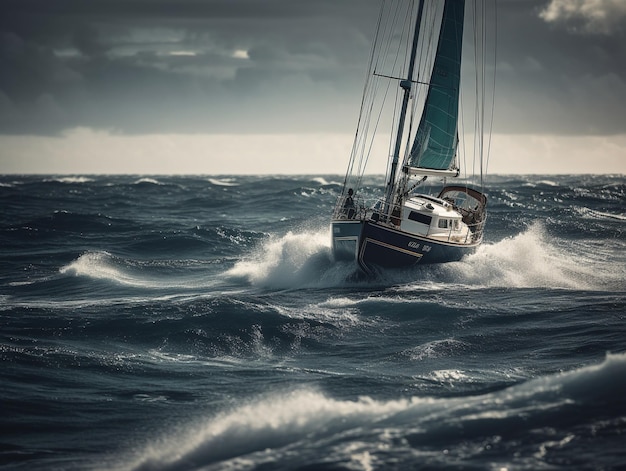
<point x="273" y="86"/>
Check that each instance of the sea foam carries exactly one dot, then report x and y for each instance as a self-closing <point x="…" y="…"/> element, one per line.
<point x="527" y="260"/>
<point x="223" y="181"/>
<point x="530" y="259"/>
<point x="295" y="260"/>
<point x="282" y="421"/>
<point x="102" y="265"/>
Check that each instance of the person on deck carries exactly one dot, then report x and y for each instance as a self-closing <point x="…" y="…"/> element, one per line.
<point x="348" y="204"/>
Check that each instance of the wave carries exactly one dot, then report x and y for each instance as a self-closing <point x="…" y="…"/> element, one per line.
<point x="323" y="182"/>
<point x="531" y="259"/>
<point x="147" y="274"/>
<point x="320" y="180"/>
<point x="223" y="181"/>
<point x="295" y="260"/>
<point x="527" y="260"/>
<point x="102" y="265"/>
<point x="436" y="349"/>
<point x="587" y="213"/>
<point x="71" y="180"/>
<point x="145" y="180"/>
<point x="547" y="183"/>
<point x="269" y="429"/>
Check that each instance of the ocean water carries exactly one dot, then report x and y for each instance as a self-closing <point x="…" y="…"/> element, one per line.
<point x="179" y="323"/>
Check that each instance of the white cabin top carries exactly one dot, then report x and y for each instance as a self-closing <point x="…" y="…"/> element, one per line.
<point x="431" y="216"/>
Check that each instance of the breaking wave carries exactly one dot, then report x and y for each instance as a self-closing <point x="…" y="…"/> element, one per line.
<point x="531" y="259"/>
<point x="274" y="427"/>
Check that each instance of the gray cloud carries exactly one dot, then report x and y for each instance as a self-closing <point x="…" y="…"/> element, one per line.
<point x="191" y="66"/>
<point x="171" y="66"/>
<point x="587" y="16"/>
<point x="551" y="80"/>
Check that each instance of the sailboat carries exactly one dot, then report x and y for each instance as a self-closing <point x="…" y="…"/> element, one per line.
<point x="403" y="227"/>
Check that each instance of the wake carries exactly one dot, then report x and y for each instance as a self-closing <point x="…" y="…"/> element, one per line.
<point x="293" y="261"/>
<point x="303" y="260"/>
<point x="527" y="260"/>
<point x="531" y="259"/>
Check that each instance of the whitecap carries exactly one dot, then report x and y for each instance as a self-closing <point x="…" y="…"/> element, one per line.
<point x="282" y="421"/>
<point x="102" y="265"/>
<point x="436" y="349"/>
<point x="73" y="180"/>
<point x="527" y="260"/>
<point x="593" y="214"/>
<point x="547" y="183"/>
<point x="295" y="260"/>
<point x="223" y="181"/>
<point x="147" y="180"/>
<point x="269" y="422"/>
<point x="320" y="180"/>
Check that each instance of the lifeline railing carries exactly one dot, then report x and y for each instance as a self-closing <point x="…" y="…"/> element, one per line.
<point x="356" y="210"/>
<point x="350" y="208"/>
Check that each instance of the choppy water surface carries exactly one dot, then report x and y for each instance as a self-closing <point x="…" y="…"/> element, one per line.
<point x="176" y="323"/>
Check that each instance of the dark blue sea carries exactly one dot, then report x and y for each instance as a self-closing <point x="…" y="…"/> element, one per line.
<point x="183" y="323"/>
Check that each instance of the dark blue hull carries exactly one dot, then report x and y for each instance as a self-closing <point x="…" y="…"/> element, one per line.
<point x="374" y="245"/>
<point x="389" y="248"/>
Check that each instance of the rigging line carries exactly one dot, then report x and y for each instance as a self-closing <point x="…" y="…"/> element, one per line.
<point x="462" y="133"/>
<point x="405" y="80"/>
<point x="425" y="63"/>
<point x="470" y="172"/>
<point x="487" y="56"/>
<point x="414" y="41"/>
<point x="364" y="128"/>
<point x="484" y="91"/>
<point x="419" y="72"/>
<point x="476" y="88"/>
<point x="381" y="53"/>
<point x="460" y="43"/>
<point x="404" y="33"/>
<point x="382" y="56"/>
<point x="493" y="97"/>
<point x="477" y="91"/>
<point x="428" y="64"/>
<point x="477" y="109"/>
<point x="373" y="85"/>
<point x="484" y="43"/>
<point x="404" y="71"/>
<point x="402" y="177"/>
<point x="353" y="156"/>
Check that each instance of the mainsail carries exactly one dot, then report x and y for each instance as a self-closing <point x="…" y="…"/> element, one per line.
<point x="436" y="139"/>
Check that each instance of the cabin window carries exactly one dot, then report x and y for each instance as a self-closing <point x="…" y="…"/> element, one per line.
<point x="443" y="223"/>
<point x="419" y="217"/>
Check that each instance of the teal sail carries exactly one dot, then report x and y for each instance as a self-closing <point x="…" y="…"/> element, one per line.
<point x="436" y="138"/>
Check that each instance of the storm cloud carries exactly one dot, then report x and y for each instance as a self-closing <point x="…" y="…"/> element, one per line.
<point x="244" y="66"/>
